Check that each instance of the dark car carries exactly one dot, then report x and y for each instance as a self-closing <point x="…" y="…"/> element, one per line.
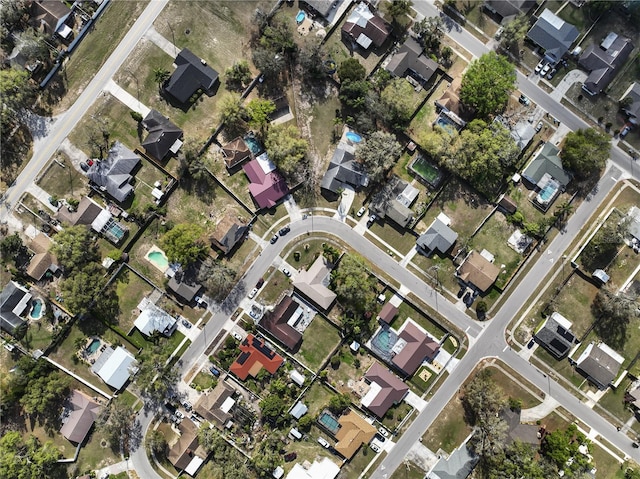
<point x="290" y="457"/>
<point x="84" y="167"/>
<point x="186" y="324"/>
<point x="531" y="343"/>
<point x="274" y="239"/>
<point x="260" y="283"/>
<point x="285" y="230"/>
<point x="214" y="371"/>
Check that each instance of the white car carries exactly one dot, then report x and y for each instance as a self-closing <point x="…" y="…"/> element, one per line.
<point x="286" y="272"/>
<point x="539" y="67"/>
<point x="323" y="442"/>
<point x="545" y="70"/>
<point x="179" y="415"/>
<point x="253" y="292"/>
<point x="383" y="431"/>
<point x="236" y="336"/>
<point x="375" y="447"/>
<point x="361" y="211"/>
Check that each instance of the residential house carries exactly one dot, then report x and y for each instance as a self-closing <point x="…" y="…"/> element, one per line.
<point x="507" y="10"/>
<point x="185" y="453"/>
<point x="387" y="313"/>
<point x="418" y="347"/>
<point x="236" y="152"/>
<point x="320" y="7"/>
<point x="344" y="171"/>
<point x="633" y="227"/>
<point x="164" y="138"/>
<point x="553" y="35"/>
<point x="632" y="396"/>
<point x="267" y="186"/>
<point x="478" y="272"/>
<point x="600" y="364"/>
<point x="191" y="74"/>
<point x="459" y="464"/>
<point x="42" y="261"/>
<point x="229" y="232"/>
<point x="114" y="366"/>
<point x="313" y="283"/>
<point x="545" y="164"/>
<point x="184" y="285"/>
<point x="324" y="468"/>
<point x="85" y="213"/>
<point x="80" y="412"/>
<point x="255" y="355"/>
<point x="603" y="61"/>
<point x="152" y="319"/>
<point x="632" y="108"/>
<point x="411" y="61"/>
<point x="450" y="102"/>
<point x="214" y="406"/>
<point x="354" y="432"/>
<point x="394" y="202"/>
<point x="365" y="28"/>
<point x="14" y="301"/>
<point x="51" y="17"/>
<point x="438" y="237"/>
<point x="281" y="321"/>
<point x="113" y="175"/>
<point x="516" y="431"/>
<point x="385" y="390"/>
<point x="522" y="133"/>
<point x="555" y="336"/>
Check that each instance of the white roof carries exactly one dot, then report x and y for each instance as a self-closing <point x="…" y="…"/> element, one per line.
<point x="373" y="392"/>
<point x="101" y="221"/>
<point x="266" y="165"/>
<point x="561" y="320"/>
<point x="552" y="18"/>
<point x="153" y="319"/>
<point x="278" y="472"/>
<point x="487" y="255"/>
<point x="323" y="469"/>
<point x="364" y="41"/>
<point x="444" y="218"/>
<point x="115" y="370"/>
<point x="297" y="377"/>
<point x="227" y="405"/>
<point x="195" y="464"/>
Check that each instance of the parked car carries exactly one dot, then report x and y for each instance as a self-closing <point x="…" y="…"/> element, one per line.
<point x="291" y="456"/>
<point x="84" y="167"/>
<point x="524" y="100"/>
<point x="539" y="126"/>
<point x="323" y="442"/>
<point x="213" y="370"/>
<point x="361" y="211"/>
<point x="545" y="70"/>
<point x="371" y="220"/>
<point x="236" y="335"/>
<point x="625" y="131"/>
<point x="286" y="272"/>
<point x="187" y="405"/>
<point x="551" y="74"/>
<point x="285" y="230"/>
<point x="179" y="415"/>
<point x="186" y="324"/>
<point x="383" y="431"/>
<point x="254" y="315"/>
<point x="253" y="292"/>
<point x="260" y="283"/>
<point x="531" y="343"/>
<point x="379" y="437"/>
<point x="273" y="239"/>
<point x="375" y="448"/>
<point x="539" y="67"/>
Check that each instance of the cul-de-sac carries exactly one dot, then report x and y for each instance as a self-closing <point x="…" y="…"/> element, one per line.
<point x="320" y="239"/>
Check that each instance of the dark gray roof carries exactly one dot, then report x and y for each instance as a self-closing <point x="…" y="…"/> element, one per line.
<point x="633" y="92"/>
<point x="553" y="34"/>
<point x="387" y="203"/>
<point x="527" y="433"/>
<point x="191" y="73"/>
<point x="509" y="8"/>
<point x="344" y="170"/>
<point x="438" y="237"/>
<point x="322" y="7"/>
<point x="113" y="174"/>
<point x="602" y="61"/>
<point x="13" y="301"/>
<point x="162" y="134"/>
<point x="599" y="366"/>
<point x="458" y="465"/>
<point x="184" y="285"/>
<point x="549" y="162"/>
<point x="555" y="338"/>
<point x="410" y="58"/>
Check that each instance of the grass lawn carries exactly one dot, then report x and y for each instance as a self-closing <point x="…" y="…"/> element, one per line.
<point x="613" y="401"/>
<point x="95" y="454"/>
<point x="420" y="384"/>
<point x="449" y="430"/>
<point x="563" y="368"/>
<point x="317" y="398"/>
<point x="513" y="385"/>
<point x="236" y="182"/>
<point x="309" y="251"/>
<point x="322" y="124"/>
<point x="358" y="462"/>
<point x="395" y="415"/>
<point x="574" y="303"/>
<point x="522" y="196"/>
<point x="398" y="238"/>
<point x="203" y="381"/>
<point x="407" y="311"/>
<point x="39" y="335"/>
<point x="425" y="268"/>
<point x="347" y="370"/>
<point x="277" y="284"/>
<point x="474" y="13"/>
<point x="408" y="470"/>
<point x="130" y="288"/>
<point x="608" y="467"/>
<point x="63" y="182"/>
<point x="320" y="339"/>
<point x="308" y="449"/>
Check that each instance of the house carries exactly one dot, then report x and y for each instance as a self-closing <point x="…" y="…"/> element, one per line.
<point x="516" y="431"/>
<point x="365" y="28"/>
<point x="191" y="74"/>
<point x="522" y="133"/>
<point x="152" y="319"/>
<point x="43" y="261"/>
<point x="631" y="107"/>
<point x="164" y="138"/>
<point x="230" y="231"/>
<point x="553" y="35"/>
<point x="394" y="201"/>
<point x="114" y="366"/>
<point x="344" y="171"/>
<point x="459" y="464"/>
<point x="214" y="406"/>
<point x="438" y="237"/>
<point x="280" y="323"/>
<point x="632" y="396"/>
<point x="354" y="432"/>
<point x="418" y="347"/>
<point x="255" y="355"/>
<point x="324" y="468"/>
<point x="633" y="218"/>
<point x="600" y="364"/>
<point x="313" y="283"/>
<point x="267" y="186"/>
<point x="185" y="453"/>
<point x="507" y="10"/>
<point x="113" y="174"/>
<point x="320" y="7"/>
<point x="236" y="152"/>
<point x="299" y="410"/>
<point x="385" y="390"/>
<point x="603" y="61"/>
<point x="184" y="286"/>
<point x="51" y="17"/>
<point x="546" y="166"/>
<point x="79" y="414"/>
<point x="86" y="212"/>
<point x="555" y="335"/>
<point x="450" y="102"/>
<point x="410" y="60"/>
<point x="14" y="301"/>
<point x="478" y="272"/>
<point x="601" y="275"/>
<point x="387" y="313"/>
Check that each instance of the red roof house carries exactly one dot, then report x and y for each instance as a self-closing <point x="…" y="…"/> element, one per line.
<point x="386" y="389"/>
<point x="266" y="188"/>
<point x="387" y="313"/>
<point x="278" y="324"/>
<point x="419" y="346"/>
<point x="254" y="356"/>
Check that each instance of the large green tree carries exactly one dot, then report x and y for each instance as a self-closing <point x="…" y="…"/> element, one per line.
<point x="74" y="247"/>
<point x="585" y="152"/>
<point x="184" y="244"/>
<point x="232" y="114"/>
<point x="156" y="379"/>
<point x="514" y="33"/>
<point x="614" y="312"/>
<point x="397" y="98"/>
<point x="351" y="70"/>
<point x="487" y="84"/>
<point x="430" y="31"/>
<point x="238" y="75"/>
<point x="29" y="459"/>
<point x="217" y="277"/>
<point x="272" y="408"/>
<point x="286" y="148"/>
<point x="117" y="424"/>
<point x="378" y="153"/>
<point x="259" y="111"/>
<point x="399" y="8"/>
<point x="16" y="93"/>
<point x="83" y="290"/>
<point x="354" y="285"/>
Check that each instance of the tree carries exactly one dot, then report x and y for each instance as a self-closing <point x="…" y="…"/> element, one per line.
<point x="269" y="63"/>
<point x="305" y="423"/>
<point x="353" y="94"/>
<point x="32" y="45"/>
<point x="351" y="70"/>
<point x="267" y="456"/>
<point x="286" y="148"/>
<point x="632" y="473"/>
<point x="399" y="8"/>
<point x="232" y="113"/>
<point x="83" y="290"/>
<point x="118" y="425"/>
<point x="217" y="278"/>
<point x="518" y="460"/>
<point x="183" y="244"/>
<point x="513" y="33"/>
<point x="339" y="402"/>
<point x="614" y="312"/>
<point x="277" y="37"/>
<point x="160" y="75"/>
<point x="272" y="408"/>
<point x="430" y="31"/>
<point x="353" y="285"/>
<point x="310" y="61"/>
<point x="585" y="152"/>
<point x="29" y="459"/>
<point x="12" y="247"/>
<point x="238" y="75"/>
<point x="603" y="246"/>
<point x="397" y="98"/>
<point x="156" y="379"/>
<point x="378" y="154"/>
<point x="74" y="248"/>
<point x="45" y="394"/>
<point x="487" y="84"/>
<point x="156" y="443"/>
<point x="258" y="111"/>
<point x="16" y="92"/>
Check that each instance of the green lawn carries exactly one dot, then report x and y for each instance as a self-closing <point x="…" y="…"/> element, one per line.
<point x="317" y="398"/>
<point x="357" y="464"/>
<point x="319" y="340"/>
<point x="131" y="289"/>
<point x="277" y="284"/>
<point x="203" y="381"/>
<point x="398" y="238"/>
<point x="408" y="470"/>
<point x="613" y="401"/>
<point x="94" y="454"/>
<point x="513" y="385"/>
<point x="407" y="311"/>
<point x="449" y="430"/>
<point x="348" y="369"/>
<point x="63" y="182"/>
<point x="323" y="129"/>
<point x="574" y="303"/>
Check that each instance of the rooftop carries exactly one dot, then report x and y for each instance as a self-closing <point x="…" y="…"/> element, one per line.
<point x="14" y="300"/>
<point x="354" y="431"/>
<point x="438" y="237"/>
<point x="254" y="356"/>
<point x="191" y="74"/>
<point x="82" y="412"/>
<point x="419" y="347"/>
<point x="114" y="173"/>
<point x="600" y="364"/>
<point x="365" y="27"/>
<point x="410" y="60"/>
<point x="547" y="162"/>
<point x="114" y="366"/>
<point x="478" y="271"/>
<point x="265" y="188"/>
<point x="163" y="138"/>
<point x="555" y="336"/>
<point x="313" y="282"/>
<point x="390" y="390"/>
<point x="277" y="322"/>
<point x="553" y="35"/>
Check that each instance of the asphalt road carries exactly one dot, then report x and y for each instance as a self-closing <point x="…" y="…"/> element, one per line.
<point x="67" y="122"/>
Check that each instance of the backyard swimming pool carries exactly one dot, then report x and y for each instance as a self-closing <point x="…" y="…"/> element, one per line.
<point x="36" y="309"/>
<point x="329" y="421"/>
<point x="93" y="347"/>
<point x="300" y="16"/>
<point x="253" y="144"/>
<point x="446" y="124"/>
<point x="353" y="137"/>
<point x="547" y="193"/>
<point x="156" y="257"/>
<point x="383" y="343"/>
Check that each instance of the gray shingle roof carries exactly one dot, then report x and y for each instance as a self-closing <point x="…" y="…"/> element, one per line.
<point x="162" y="134"/>
<point x="343" y="170"/>
<point x="553" y="34"/>
<point x="555" y="338"/>
<point x="191" y="73"/>
<point x="410" y="58"/>
<point x="113" y="174"/>
<point x="599" y="366"/>
<point x="438" y="237"/>
<point x="602" y="63"/>
<point x="549" y="162"/>
<point x="13" y="303"/>
<point x="509" y="8"/>
<point x="458" y="465"/>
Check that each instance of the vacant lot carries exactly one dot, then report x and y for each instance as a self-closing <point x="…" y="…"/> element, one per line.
<point x="64" y="182"/>
<point x="574" y="303"/>
<point x="320" y="339"/>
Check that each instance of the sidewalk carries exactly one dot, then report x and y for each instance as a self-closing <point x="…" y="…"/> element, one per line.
<point x="124" y="97"/>
<point x="42" y="196"/>
<point x="114" y="469"/>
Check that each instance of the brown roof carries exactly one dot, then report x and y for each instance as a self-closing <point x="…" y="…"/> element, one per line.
<point x="392" y="389"/>
<point x="354" y="431"/>
<point x="254" y="356"/>
<point x="418" y="348"/>
<point x="229" y="231"/>
<point x="87" y="211"/>
<point x="478" y="271"/>
<point x="374" y="27"/>
<point x="276" y="322"/>
<point x="388" y="312"/>
<point x="39" y="265"/>
<point x="311" y="283"/>
<point x="508" y="204"/>
<point x="235" y="152"/>
<point x="450" y="99"/>
<point x="41" y="243"/>
<point x="208" y="406"/>
<point x="182" y="451"/>
<point x="82" y="414"/>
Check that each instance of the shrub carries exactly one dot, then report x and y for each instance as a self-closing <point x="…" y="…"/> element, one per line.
<point x="136" y="116"/>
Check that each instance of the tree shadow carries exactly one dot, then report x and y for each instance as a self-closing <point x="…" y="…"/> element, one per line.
<point x="612" y="330"/>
